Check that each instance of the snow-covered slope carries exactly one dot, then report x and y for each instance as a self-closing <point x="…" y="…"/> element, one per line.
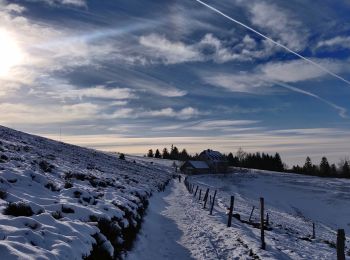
<point x="59" y="201"/>
<point x="293" y="203"/>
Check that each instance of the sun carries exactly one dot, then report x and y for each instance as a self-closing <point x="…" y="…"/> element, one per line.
<point x="10" y="53"/>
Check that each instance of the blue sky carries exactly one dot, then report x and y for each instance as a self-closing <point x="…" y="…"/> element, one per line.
<point x="130" y="75"/>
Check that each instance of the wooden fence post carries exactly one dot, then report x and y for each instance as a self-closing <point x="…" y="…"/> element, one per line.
<point x="206" y="198"/>
<point x="212" y="204"/>
<point x="341" y="244"/>
<point x="263" y="245"/>
<point x="267" y="219"/>
<point x="196" y="192"/>
<point x="251" y="213"/>
<point x="229" y="222"/>
<point x="206" y="194"/>
<point x="313" y="231"/>
<point x="200" y="194"/>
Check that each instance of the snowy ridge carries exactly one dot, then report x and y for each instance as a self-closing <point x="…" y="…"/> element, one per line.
<point x="59" y="201"/>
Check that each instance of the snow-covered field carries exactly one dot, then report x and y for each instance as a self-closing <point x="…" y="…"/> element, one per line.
<point x="59" y="201"/>
<point x="293" y="202"/>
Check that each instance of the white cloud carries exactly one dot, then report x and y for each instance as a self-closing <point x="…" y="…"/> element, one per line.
<point x="220" y="53"/>
<point x="263" y="77"/>
<point x="185" y="113"/>
<point x="99" y="92"/>
<point x="155" y="86"/>
<point x="169" y="52"/>
<point x="339" y="41"/>
<point x="298" y="70"/>
<point x="278" y="22"/>
<point x="240" y="82"/>
<point x="42" y="115"/>
<point x="79" y="3"/>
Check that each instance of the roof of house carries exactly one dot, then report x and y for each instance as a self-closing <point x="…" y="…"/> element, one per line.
<point x="213" y="155"/>
<point x="197" y="164"/>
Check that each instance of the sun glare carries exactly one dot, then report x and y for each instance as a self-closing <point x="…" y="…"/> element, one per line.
<point x="10" y="53"/>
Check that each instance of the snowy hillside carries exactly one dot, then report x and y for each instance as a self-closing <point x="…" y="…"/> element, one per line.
<point x="293" y="203"/>
<point x="60" y="201"/>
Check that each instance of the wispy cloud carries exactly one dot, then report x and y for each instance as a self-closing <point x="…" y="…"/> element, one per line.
<point x="169" y="52"/>
<point x="278" y="23"/>
<point x="183" y="114"/>
<point x="79" y="3"/>
<point x="336" y="42"/>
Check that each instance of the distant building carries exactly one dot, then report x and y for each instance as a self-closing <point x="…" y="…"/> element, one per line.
<point x="215" y="160"/>
<point x="195" y="167"/>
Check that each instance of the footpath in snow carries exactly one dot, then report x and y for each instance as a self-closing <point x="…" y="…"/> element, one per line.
<point x="176" y="227"/>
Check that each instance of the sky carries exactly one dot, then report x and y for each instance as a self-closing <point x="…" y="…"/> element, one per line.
<point x="130" y="75"/>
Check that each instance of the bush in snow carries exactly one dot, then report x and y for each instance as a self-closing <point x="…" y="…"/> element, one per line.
<point x="3" y="158"/>
<point x="45" y="166"/>
<point x="68" y="185"/>
<point x="17" y="209"/>
<point x="3" y="194"/>
<point x="99" y="250"/>
<point x="77" y="194"/>
<point x="57" y="214"/>
<point x="122" y="156"/>
<point x="67" y="210"/>
<point x="51" y="186"/>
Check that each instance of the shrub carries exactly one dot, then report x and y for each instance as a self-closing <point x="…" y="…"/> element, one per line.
<point x="3" y="194"/>
<point x="67" y="210"/>
<point x="57" y="214"/>
<point x="45" y="166"/>
<point x="86" y="199"/>
<point x="17" y="209"/>
<point x="3" y="158"/>
<point x="68" y="185"/>
<point x="51" y="186"/>
<point x="77" y="194"/>
<point x="99" y="251"/>
<point x="122" y="156"/>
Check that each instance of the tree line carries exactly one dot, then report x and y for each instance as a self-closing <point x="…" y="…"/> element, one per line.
<point x="263" y="161"/>
<point x="324" y="169"/>
<point x="173" y="154"/>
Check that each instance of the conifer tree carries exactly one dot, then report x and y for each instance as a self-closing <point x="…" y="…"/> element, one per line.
<point x="334" y="171"/>
<point x="150" y="153"/>
<point x="308" y="169"/>
<point x="184" y="155"/>
<point x="157" y="154"/>
<point x="325" y="169"/>
<point x="346" y="169"/>
<point x="165" y="154"/>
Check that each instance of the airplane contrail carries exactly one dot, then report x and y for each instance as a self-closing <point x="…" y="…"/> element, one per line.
<point x="275" y="42"/>
<point x="341" y="110"/>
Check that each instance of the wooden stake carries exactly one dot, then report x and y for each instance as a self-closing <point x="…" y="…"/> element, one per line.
<point x="206" y="194"/>
<point x="251" y="213"/>
<point x="212" y="204"/>
<point x="196" y="192"/>
<point x="229" y="222"/>
<point x="200" y="194"/>
<point x="206" y="198"/>
<point x="313" y="231"/>
<point x="267" y="219"/>
<point x="263" y="245"/>
<point x="341" y="244"/>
